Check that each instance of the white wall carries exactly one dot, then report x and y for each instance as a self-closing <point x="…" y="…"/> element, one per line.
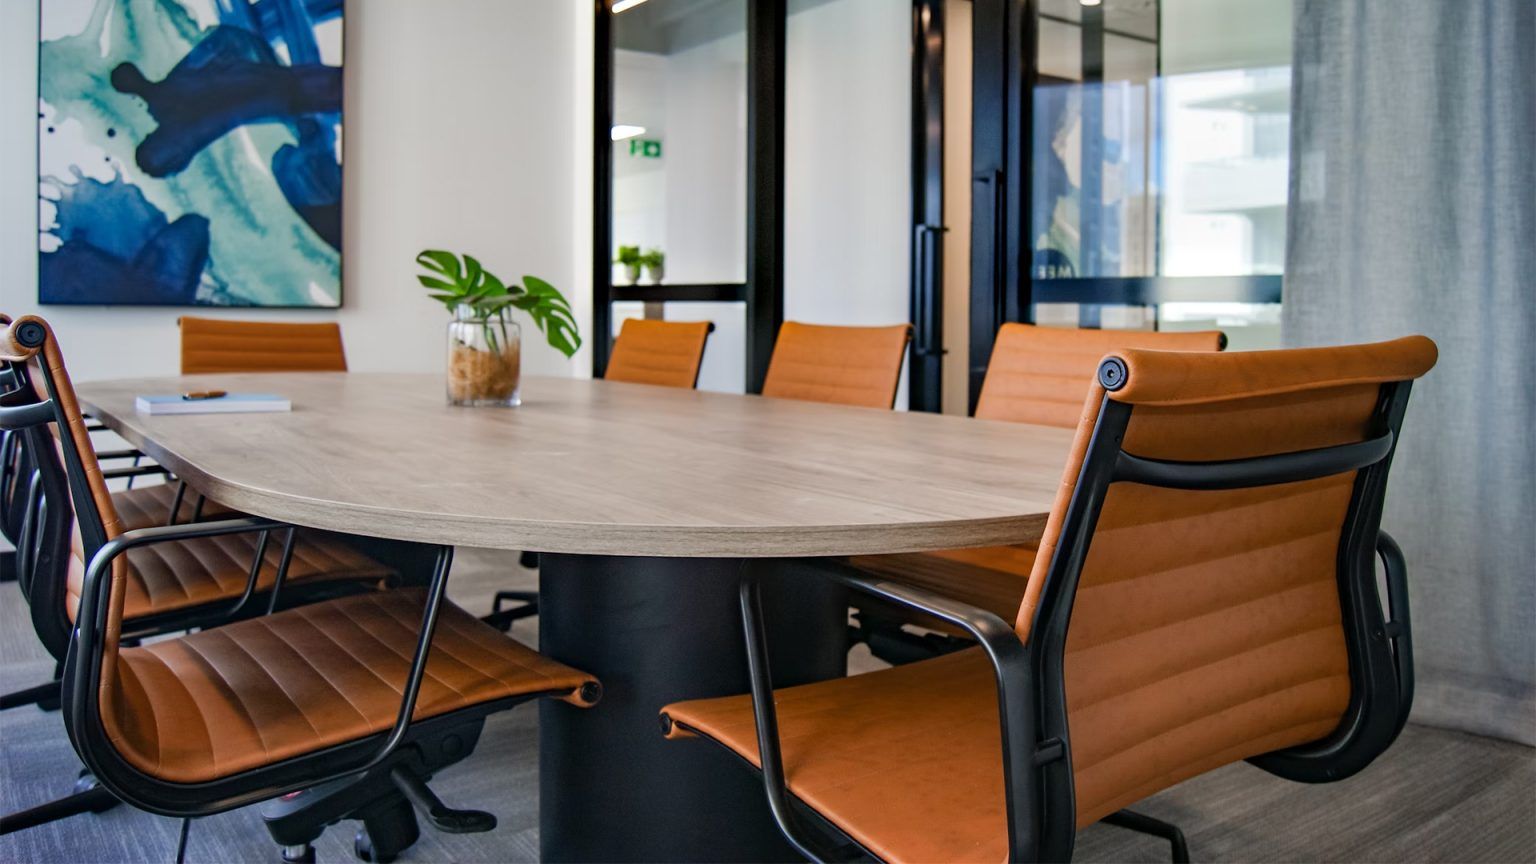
<point x="707" y="238"/>
<point x="466" y="129"/>
<point x="847" y="164"/>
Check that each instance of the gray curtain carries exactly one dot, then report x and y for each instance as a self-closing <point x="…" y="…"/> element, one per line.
<point x="1413" y="210"/>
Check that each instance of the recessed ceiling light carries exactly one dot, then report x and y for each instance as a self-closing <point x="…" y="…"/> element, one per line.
<point x="624" y="5"/>
<point x="620" y="132"/>
<point x="1084" y="2"/>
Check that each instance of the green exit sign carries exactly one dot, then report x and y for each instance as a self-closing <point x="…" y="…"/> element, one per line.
<point x="644" y="148"/>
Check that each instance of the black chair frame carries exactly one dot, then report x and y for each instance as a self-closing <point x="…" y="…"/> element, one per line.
<point x="44" y="549"/>
<point x="1030" y="678"/>
<point x="84" y="667"/>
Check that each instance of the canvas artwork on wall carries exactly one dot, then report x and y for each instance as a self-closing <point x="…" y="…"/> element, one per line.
<point x="189" y="152"/>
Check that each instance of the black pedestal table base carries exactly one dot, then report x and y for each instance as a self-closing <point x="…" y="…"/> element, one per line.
<point x="654" y="631"/>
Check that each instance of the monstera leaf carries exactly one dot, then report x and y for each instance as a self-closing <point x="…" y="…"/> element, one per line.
<point x="461" y="281"/>
<point x="550" y="312"/>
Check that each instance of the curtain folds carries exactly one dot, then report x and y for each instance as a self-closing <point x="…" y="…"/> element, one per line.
<point x="1413" y="209"/>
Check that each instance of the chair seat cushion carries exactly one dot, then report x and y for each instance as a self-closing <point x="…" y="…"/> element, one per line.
<point x="258" y="691"/>
<point x="991" y="578"/>
<point x="907" y="761"/>
<point x="148" y="506"/>
<point x="180" y="575"/>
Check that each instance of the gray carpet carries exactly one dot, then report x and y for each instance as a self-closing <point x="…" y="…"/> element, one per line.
<point x="1437" y="796"/>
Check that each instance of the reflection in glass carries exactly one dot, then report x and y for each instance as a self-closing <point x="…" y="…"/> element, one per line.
<point x="1161" y="148"/>
<point x="679" y="142"/>
<point x="679" y="165"/>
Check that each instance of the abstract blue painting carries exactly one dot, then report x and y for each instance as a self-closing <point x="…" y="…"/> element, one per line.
<point x="189" y="152"/>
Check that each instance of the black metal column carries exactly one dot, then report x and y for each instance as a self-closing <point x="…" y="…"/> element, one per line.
<point x="925" y="390"/>
<point x="601" y="337"/>
<point x="657" y="630"/>
<point x="1002" y="109"/>
<point x="765" y="184"/>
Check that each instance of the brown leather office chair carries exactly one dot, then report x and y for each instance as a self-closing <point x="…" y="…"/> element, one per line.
<point x="381" y="689"/>
<point x="215" y="345"/>
<point x="199" y="583"/>
<point x="211" y="345"/>
<point x="858" y="366"/>
<point x="1036" y="375"/>
<point x="1212" y="548"/>
<point x="665" y="353"/>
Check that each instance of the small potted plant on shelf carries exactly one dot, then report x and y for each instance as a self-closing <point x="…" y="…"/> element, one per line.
<point x="630" y="257"/>
<point x="484" y="347"/>
<point x="655" y="262"/>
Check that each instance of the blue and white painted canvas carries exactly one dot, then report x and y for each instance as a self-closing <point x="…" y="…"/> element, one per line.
<point x="190" y="152"/>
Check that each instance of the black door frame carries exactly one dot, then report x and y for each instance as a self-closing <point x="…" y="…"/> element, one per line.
<point x="1002" y="108"/>
<point x="763" y="291"/>
<point x="926" y="372"/>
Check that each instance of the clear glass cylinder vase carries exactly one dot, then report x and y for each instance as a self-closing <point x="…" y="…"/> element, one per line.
<point x="484" y="360"/>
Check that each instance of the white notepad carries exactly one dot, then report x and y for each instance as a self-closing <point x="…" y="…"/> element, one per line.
<point x="230" y="403"/>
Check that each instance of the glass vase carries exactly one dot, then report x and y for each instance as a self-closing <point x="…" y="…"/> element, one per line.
<point x="484" y="361"/>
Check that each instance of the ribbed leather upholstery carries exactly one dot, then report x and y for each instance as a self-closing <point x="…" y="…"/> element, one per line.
<point x="665" y="353"/>
<point x="258" y="691"/>
<point x="148" y="506"/>
<point x="167" y="577"/>
<point x="858" y="366"/>
<point x="217" y="345"/>
<point x="1206" y="627"/>
<point x="1036" y="375"/>
<point x="1039" y="374"/>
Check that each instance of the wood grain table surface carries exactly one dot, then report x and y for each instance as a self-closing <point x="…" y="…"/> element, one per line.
<point x="601" y="468"/>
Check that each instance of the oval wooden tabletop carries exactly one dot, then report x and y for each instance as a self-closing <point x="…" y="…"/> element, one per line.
<point x="601" y="467"/>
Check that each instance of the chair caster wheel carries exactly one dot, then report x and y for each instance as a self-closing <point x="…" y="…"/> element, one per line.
<point x="362" y="847"/>
<point x="304" y="854"/>
<point x="86" y="782"/>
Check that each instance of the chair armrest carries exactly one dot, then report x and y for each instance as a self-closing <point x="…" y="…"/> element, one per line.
<point x="120" y="454"/>
<point x="133" y="471"/>
<point x="1012" y="665"/>
<point x="82" y="682"/>
<point x="25" y="416"/>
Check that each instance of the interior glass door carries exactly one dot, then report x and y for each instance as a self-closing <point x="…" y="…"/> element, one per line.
<point x="679" y="172"/>
<point x="1160" y="150"/>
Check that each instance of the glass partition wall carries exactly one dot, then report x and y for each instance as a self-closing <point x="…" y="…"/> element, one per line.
<point x="1159" y="154"/>
<point x="679" y="172"/>
<point x="761" y="152"/>
<point x="1123" y="163"/>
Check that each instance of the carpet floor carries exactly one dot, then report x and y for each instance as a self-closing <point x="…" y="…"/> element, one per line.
<point x="1436" y="796"/>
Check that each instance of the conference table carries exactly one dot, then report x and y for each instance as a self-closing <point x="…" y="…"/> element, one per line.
<point x="646" y="504"/>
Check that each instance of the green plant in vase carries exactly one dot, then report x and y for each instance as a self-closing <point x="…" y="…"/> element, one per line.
<point x="630" y="257"/>
<point x="484" y="346"/>
<point x="655" y="262"/>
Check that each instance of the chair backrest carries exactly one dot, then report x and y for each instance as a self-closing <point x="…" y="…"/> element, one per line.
<point x="46" y="523"/>
<point x="14" y="473"/>
<point x="845" y="365"/>
<point x="1038" y="374"/>
<point x="665" y="353"/>
<point x="218" y="345"/>
<point x="1212" y="548"/>
<point x="30" y="341"/>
